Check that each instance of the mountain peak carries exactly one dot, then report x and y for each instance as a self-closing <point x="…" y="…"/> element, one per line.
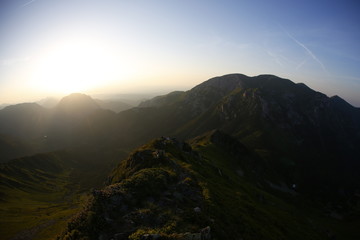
<point x="23" y="106"/>
<point x="77" y="102"/>
<point x="223" y="85"/>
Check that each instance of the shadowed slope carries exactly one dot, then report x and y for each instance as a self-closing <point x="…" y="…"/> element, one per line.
<point x="170" y="189"/>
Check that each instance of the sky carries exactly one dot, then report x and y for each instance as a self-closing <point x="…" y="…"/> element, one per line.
<point x="56" y="47"/>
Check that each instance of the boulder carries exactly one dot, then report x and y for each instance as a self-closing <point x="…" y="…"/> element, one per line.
<point x="197" y="210"/>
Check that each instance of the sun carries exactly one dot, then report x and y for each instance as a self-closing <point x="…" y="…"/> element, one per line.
<point x="75" y="66"/>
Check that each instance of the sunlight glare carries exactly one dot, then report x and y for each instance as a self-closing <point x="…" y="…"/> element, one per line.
<point x="75" y="66"/>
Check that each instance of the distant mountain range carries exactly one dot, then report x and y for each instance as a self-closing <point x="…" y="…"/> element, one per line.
<point x="257" y="136"/>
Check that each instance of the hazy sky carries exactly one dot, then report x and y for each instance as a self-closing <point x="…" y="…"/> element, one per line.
<point x="105" y="46"/>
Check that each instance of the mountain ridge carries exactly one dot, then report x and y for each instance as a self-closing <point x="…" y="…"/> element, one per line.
<point x="264" y="137"/>
<point x="168" y="189"/>
<point x="290" y="124"/>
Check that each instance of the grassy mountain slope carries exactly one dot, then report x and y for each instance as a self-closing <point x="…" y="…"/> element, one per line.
<point x="11" y="147"/>
<point x="169" y="189"/>
<point x="36" y="193"/>
<point x="39" y="193"/>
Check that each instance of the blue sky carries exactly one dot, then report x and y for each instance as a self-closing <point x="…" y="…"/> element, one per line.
<point x="51" y="47"/>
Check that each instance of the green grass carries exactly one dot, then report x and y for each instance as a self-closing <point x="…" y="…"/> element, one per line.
<point x="152" y="194"/>
<point x="39" y="194"/>
<point x="33" y="200"/>
<point x="244" y="206"/>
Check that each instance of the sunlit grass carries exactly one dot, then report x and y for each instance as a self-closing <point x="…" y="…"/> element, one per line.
<point x="39" y="194"/>
<point x="40" y="214"/>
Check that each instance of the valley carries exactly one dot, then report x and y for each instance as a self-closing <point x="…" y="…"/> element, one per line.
<point x="40" y="193"/>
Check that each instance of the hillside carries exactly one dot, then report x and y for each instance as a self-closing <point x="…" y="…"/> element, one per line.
<point x="283" y="154"/>
<point x="11" y="147"/>
<point x="39" y="193"/>
<point x="210" y="188"/>
<point x="307" y="136"/>
<point x="36" y="194"/>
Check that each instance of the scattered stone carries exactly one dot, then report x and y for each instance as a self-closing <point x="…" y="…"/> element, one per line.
<point x="197" y="210"/>
<point x="150" y="237"/>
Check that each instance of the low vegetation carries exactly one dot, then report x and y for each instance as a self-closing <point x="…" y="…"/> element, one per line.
<point x="40" y="193"/>
<point x="173" y="190"/>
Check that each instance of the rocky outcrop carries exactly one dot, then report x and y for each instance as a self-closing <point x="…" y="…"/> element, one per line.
<point x="149" y="191"/>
